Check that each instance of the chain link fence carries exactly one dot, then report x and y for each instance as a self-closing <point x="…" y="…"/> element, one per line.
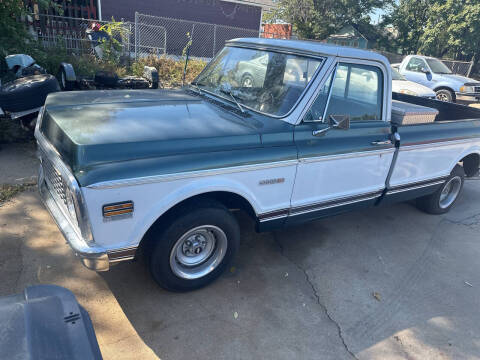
<point x="156" y="35"/>
<point x="147" y="35"/>
<point x="75" y="34"/>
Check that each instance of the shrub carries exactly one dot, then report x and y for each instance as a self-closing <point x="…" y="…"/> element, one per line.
<point x="170" y="71"/>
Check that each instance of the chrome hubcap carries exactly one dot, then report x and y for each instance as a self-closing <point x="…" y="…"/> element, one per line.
<point x="450" y="192"/>
<point x="198" y="252"/>
<point x="247" y="82"/>
<point x="443" y="97"/>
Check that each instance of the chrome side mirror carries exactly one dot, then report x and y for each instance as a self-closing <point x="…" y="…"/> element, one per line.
<point x="340" y="122"/>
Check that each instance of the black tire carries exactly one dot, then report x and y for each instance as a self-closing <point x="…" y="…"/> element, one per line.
<point x="106" y="79"/>
<point x="163" y="245"/>
<point x="65" y="84"/>
<point x="445" y="95"/>
<point x="247" y="80"/>
<point x="27" y="93"/>
<point x="453" y="185"/>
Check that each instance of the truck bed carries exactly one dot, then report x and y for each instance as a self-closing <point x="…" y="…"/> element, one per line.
<point x="447" y="111"/>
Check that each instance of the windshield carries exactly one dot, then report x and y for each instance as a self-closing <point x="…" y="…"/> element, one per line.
<point x="261" y="80"/>
<point x="396" y="75"/>
<point x="438" y="67"/>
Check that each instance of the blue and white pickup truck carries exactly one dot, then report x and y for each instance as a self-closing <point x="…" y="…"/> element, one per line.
<point x="434" y="74"/>
<point x="157" y="173"/>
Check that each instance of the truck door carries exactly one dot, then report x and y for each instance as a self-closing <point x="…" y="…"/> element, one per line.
<point x="343" y="166"/>
<point x="415" y="71"/>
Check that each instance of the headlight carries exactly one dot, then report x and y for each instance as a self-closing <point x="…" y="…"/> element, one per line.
<point x="71" y="205"/>
<point x="467" y="89"/>
<point x="408" y="92"/>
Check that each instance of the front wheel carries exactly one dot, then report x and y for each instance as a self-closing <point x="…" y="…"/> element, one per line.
<point x="195" y="248"/>
<point x="445" y="197"/>
<point x="444" y="95"/>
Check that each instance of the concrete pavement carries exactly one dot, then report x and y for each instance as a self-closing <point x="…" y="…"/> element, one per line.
<point x="386" y="283"/>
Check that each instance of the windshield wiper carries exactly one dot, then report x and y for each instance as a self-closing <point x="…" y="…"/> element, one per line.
<point x="229" y="92"/>
<point x="197" y="86"/>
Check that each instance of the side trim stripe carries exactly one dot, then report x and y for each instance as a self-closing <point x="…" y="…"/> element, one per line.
<point x="334" y="203"/>
<point x="416" y="185"/>
<point x="274" y="215"/>
<point x="189" y="174"/>
<point x="348" y="155"/>
<point x="436" y="143"/>
<point x="299" y="210"/>
<point x="230" y="170"/>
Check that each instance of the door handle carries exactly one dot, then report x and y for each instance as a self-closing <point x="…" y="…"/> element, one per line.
<point x="380" y="142"/>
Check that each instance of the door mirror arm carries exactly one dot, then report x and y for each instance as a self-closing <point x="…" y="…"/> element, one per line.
<point x="340" y="122"/>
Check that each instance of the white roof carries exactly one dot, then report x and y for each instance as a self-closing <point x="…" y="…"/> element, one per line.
<point x="312" y="47"/>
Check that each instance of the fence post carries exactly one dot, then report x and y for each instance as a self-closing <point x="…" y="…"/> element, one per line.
<point x="470" y="68"/>
<point x="136" y="34"/>
<point x="214" y="39"/>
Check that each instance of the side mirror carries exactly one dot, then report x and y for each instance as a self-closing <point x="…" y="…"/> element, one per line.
<point x="340" y="122"/>
<point x="425" y="70"/>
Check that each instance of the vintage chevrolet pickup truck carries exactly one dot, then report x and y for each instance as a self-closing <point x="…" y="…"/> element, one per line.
<point x="287" y="131"/>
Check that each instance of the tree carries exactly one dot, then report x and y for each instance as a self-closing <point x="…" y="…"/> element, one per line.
<point x="317" y="19"/>
<point x="409" y="18"/>
<point x="453" y="29"/>
<point x="13" y="33"/>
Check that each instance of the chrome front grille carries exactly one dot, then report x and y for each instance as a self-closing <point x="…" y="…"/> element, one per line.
<point x="477" y="89"/>
<point x="55" y="182"/>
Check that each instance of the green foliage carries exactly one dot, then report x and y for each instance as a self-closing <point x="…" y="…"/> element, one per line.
<point x="440" y="28"/>
<point x="187" y="46"/>
<point x="453" y="29"/>
<point x="170" y="71"/>
<point x="13" y="33"/>
<point x="408" y="18"/>
<point x="317" y="19"/>
<point x="112" y="47"/>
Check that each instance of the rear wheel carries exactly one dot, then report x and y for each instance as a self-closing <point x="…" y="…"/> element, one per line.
<point x="445" y="197"/>
<point x="195" y="248"/>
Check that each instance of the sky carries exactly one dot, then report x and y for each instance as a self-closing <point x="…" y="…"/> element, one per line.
<point x="376" y="15"/>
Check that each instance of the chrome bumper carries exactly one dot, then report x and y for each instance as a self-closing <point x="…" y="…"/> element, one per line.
<point x="468" y="97"/>
<point x="93" y="257"/>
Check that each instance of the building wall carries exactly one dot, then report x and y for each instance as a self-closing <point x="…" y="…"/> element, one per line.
<point x="208" y="11"/>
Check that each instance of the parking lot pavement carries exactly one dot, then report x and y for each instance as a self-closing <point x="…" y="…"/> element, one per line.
<point x="385" y="283"/>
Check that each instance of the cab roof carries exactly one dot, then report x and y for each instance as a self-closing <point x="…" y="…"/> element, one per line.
<point x="309" y="47"/>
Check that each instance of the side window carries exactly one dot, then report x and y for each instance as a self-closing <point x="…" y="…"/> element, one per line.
<point x="358" y="92"/>
<point x="416" y="64"/>
<point x="318" y="107"/>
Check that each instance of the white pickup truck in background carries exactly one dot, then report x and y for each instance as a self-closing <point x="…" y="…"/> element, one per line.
<point x="434" y="74"/>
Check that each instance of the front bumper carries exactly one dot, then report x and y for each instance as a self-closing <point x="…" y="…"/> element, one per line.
<point x="470" y="97"/>
<point x="92" y="256"/>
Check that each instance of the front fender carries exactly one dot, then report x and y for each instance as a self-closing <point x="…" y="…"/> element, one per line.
<point x="151" y="200"/>
<point x="198" y="187"/>
<point x="446" y="83"/>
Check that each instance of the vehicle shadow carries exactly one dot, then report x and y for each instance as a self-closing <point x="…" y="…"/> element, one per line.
<point x="392" y="280"/>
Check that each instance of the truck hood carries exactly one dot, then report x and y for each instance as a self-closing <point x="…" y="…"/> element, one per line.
<point x="420" y="90"/>
<point x="95" y="127"/>
<point x="458" y="79"/>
